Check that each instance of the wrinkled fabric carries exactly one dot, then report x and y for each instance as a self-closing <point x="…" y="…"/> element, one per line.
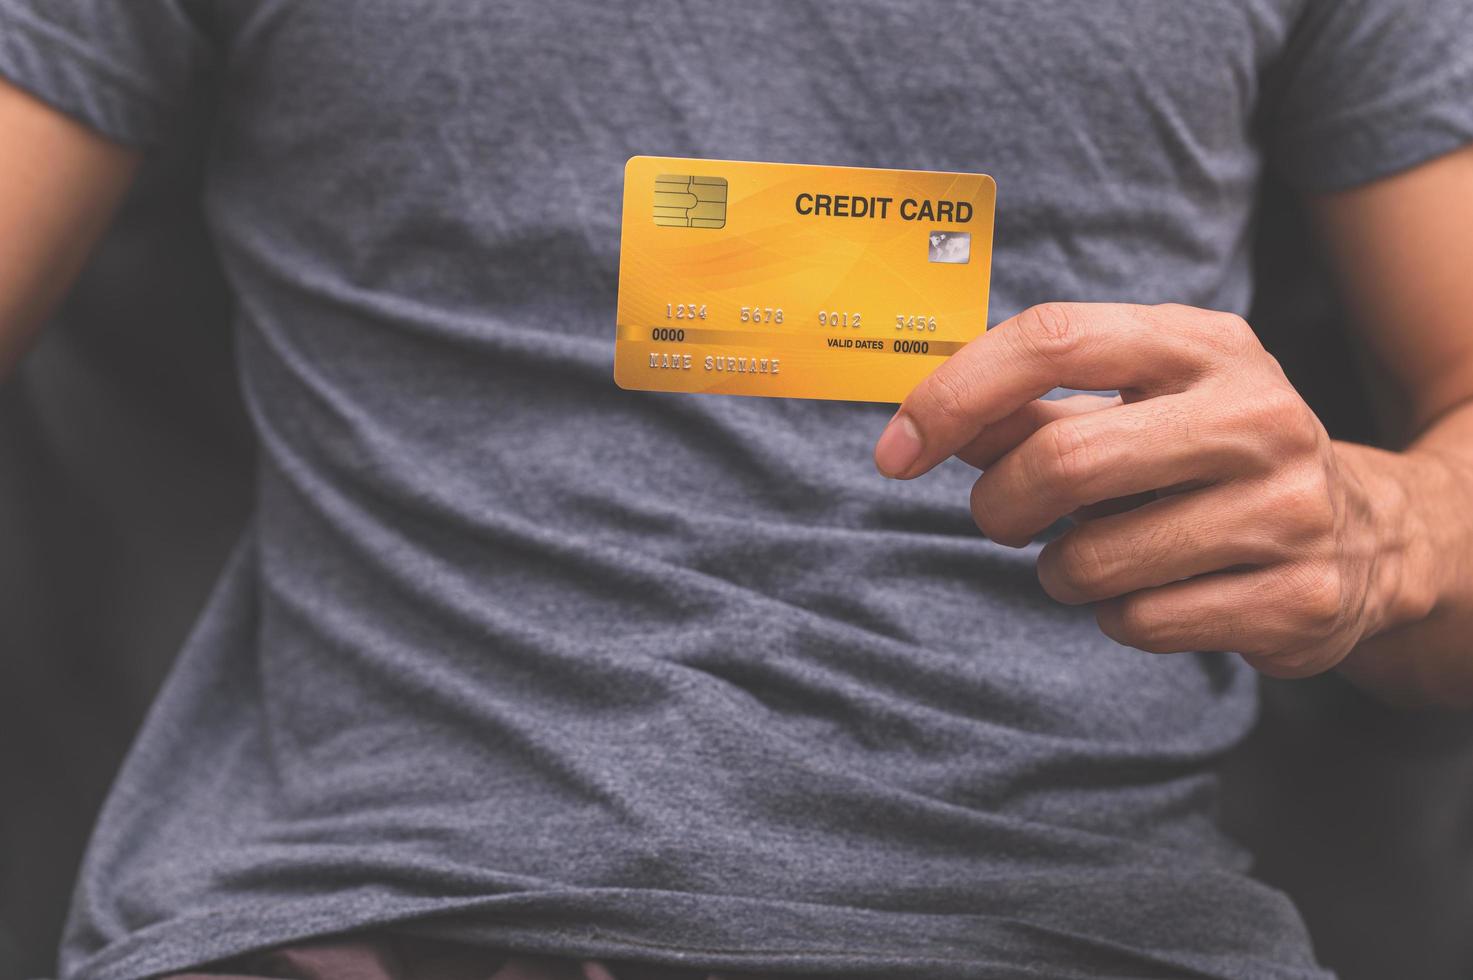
<point x="388" y="957"/>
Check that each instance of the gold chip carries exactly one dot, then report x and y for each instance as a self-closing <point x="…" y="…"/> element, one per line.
<point x="690" y="202"/>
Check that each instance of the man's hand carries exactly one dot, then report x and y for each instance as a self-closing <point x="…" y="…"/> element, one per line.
<point x="1213" y="511"/>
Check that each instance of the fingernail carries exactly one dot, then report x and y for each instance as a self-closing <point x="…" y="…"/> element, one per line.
<point x="899" y="446"/>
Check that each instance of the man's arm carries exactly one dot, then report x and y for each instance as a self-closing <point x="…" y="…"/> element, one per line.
<point x="1215" y="513"/>
<point x="59" y="186"/>
<point x="1403" y="248"/>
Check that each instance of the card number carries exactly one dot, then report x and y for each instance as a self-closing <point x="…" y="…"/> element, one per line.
<point x="916" y="322"/>
<point x="685" y="311"/>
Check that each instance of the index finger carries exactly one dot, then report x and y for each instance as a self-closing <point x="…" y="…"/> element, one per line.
<point x="1137" y="350"/>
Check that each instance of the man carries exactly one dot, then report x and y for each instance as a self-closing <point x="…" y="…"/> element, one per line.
<point x="514" y="662"/>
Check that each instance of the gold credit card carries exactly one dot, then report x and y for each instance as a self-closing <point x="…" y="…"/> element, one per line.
<point x="797" y="281"/>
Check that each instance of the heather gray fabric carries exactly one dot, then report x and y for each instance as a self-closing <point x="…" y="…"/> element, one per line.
<point x="534" y="661"/>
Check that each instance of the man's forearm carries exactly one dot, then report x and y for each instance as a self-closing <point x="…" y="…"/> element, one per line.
<point x="1421" y="649"/>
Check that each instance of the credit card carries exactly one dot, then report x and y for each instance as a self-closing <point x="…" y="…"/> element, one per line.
<point x="797" y="281"/>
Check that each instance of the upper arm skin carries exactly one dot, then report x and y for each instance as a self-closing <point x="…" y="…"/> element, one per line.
<point x="59" y="185"/>
<point x="1402" y="248"/>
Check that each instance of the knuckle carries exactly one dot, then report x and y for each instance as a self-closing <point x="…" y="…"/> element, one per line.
<point x="1081" y="565"/>
<point x="1302" y="433"/>
<point x="1239" y="331"/>
<point x="1132" y="622"/>
<point x="947" y="395"/>
<point x="1273" y="424"/>
<point x="1273" y="408"/>
<point x="1317" y="593"/>
<point x="1229" y="334"/>
<point x="1066" y="454"/>
<point x="1302" y="504"/>
<point x="1290" y="420"/>
<point x="992" y="516"/>
<point x="1048" y="330"/>
<point x="1287" y="663"/>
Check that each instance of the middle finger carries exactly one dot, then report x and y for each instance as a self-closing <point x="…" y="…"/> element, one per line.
<point x="1166" y="442"/>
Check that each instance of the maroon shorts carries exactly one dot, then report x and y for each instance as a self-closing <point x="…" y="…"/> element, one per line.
<point x="383" y="956"/>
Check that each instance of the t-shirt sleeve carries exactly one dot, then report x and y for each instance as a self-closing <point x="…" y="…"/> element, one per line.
<point x="123" y="67"/>
<point x="1371" y="87"/>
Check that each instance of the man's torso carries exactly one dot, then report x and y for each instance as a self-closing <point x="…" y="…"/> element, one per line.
<point x="662" y="674"/>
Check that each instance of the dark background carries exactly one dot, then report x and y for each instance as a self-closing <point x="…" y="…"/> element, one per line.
<point x="125" y="464"/>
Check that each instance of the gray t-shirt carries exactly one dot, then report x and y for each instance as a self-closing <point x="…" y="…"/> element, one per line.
<point x="511" y="655"/>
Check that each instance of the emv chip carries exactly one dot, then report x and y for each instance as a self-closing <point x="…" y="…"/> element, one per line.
<point x="690" y="202"/>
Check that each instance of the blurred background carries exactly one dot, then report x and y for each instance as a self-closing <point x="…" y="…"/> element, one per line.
<point x="125" y="476"/>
